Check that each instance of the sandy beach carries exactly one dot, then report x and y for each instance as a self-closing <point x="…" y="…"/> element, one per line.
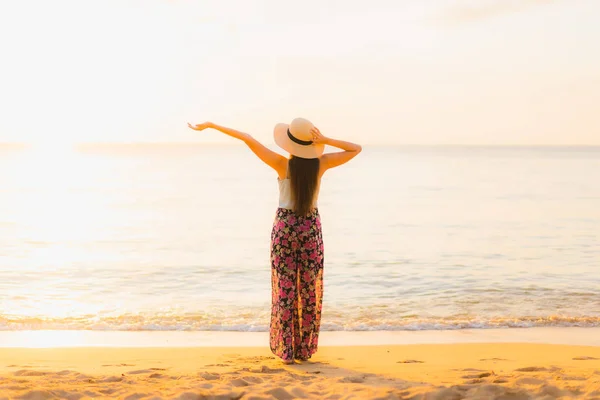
<point x="419" y="371"/>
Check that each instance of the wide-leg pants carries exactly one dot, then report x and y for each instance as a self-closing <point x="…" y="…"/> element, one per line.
<point x="297" y="284"/>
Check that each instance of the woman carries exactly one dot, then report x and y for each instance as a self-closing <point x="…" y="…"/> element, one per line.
<point x="296" y="239"/>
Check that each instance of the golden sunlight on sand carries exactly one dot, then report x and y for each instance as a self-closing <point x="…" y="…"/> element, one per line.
<point x="456" y="371"/>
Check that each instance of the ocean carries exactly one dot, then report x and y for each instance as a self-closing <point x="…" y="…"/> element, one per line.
<point x="176" y="238"/>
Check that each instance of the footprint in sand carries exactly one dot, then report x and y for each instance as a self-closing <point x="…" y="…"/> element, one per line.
<point x="139" y="371"/>
<point x="478" y="376"/>
<point x="313" y="363"/>
<point x="571" y="378"/>
<point x="209" y="377"/>
<point x="531" y="369"/>
<point x="111" y="379"/>
<point x="352" y="379"/>
<point x="253" y="379"/>
<point x="118" y="365"/>
<point x="67" y="372"/>
<point x="299" y="393"/>
<point x="206" y="386"/>
<point x="145" y="371"/>
<point x="263" y="370"/>
<point x="25" y="372"/>
<point x="280" y="394"/>
<point x="299" y="378"/>
<point x="238" y="382"/>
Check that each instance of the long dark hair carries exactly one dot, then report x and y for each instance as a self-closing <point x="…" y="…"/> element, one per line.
<point x="304" y="177"/>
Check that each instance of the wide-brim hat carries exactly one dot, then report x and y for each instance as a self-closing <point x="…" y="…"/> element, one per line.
<point x="296" y="139"/>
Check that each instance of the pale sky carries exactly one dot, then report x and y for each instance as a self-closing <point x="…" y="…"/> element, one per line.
<point x="377" y="71"/>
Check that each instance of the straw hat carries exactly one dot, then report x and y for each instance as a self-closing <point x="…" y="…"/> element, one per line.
<point x="296" y="139"/>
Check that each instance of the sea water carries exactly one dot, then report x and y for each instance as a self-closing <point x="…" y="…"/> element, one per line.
<point x="176" y="237"/>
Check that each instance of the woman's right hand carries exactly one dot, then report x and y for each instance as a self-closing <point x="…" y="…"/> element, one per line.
<point x="201" y="127"/>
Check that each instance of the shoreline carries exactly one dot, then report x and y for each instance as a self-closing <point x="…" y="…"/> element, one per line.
<point x="192" y="339"/>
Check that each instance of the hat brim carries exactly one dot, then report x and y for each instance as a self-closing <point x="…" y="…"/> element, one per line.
<point x="282" y="140"/>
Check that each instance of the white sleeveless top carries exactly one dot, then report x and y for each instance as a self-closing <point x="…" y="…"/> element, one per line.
<point x="285" y="194"/>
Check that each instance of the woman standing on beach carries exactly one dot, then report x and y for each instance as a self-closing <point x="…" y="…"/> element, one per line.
<point x="296" y="238"/>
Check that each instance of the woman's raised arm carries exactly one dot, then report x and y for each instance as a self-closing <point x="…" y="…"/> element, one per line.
<point x="332" y="160"/>
<point x="272" y="159"/>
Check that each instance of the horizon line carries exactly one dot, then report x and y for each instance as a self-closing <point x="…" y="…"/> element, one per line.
<point x="85" y="144"/>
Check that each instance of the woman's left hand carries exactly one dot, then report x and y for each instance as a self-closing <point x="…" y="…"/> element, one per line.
<point x="200" y="127"/>
<point x="318" y="137"/>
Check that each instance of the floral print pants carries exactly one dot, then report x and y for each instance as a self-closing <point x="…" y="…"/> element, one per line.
<point x="297" y="284"/>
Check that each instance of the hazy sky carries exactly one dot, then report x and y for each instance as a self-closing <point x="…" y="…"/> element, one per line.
<point x="376" y="71"/>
